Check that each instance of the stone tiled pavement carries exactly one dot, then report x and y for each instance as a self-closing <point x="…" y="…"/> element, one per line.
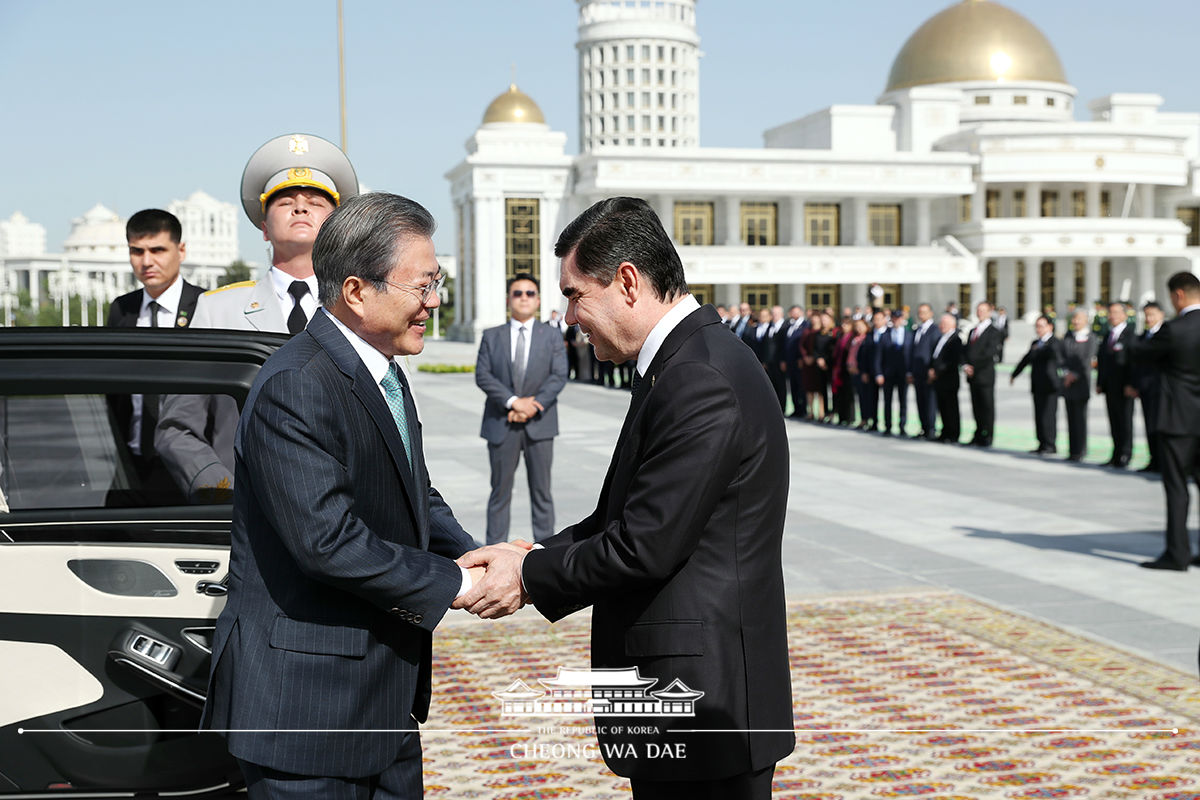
<point x="1054" y="541"/>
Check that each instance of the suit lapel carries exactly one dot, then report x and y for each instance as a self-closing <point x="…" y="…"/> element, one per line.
<point x="506" y="374"/>
<point x="368" y="393"/>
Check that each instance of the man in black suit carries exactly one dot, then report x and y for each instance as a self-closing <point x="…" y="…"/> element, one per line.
<point x="943" y="374"/>
<point x="768" y="341"/>
<point x="1113" y="376"/>
<point x="342" y="559"/>
<point x="894" y="357"/>
<point x="743" y="321"/>
<point x="521" y="367"/>
<point x="1176" y="349"/>
<point x="680" y="564"/>
<point x="925" y="339"/>
<point x="166" y="300"/>
<point x="1045" y="360"/>
<point x="1001" y="323"/>
<point x="794" y="331"/>
<point x="870" y="368"/>
<point x="1145" y="377"/>
<point x="1079" y="352"/>
<point x="983" y="351"/>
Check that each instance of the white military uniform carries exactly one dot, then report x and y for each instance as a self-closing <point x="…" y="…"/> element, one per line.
<point x="245" y="306"/>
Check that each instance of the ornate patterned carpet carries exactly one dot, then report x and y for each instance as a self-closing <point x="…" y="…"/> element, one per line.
<point x="928" y="695"/>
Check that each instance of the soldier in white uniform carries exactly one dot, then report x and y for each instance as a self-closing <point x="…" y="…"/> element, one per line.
<point x="289" y="187"/>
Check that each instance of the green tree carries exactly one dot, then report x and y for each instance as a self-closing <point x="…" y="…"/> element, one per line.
<point x="446" y="310"/>
<point x="236" y="272"/>
<point x="47" y="314"/>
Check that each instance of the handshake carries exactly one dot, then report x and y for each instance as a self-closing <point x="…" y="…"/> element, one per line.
<point x="496" y="589"/>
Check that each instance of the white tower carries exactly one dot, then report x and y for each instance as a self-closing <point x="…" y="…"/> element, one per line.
<point x="639" y="74"/>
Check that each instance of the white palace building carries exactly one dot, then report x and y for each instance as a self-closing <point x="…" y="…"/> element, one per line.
<point x="970" y="178"/>
<point x="94" y="262"/>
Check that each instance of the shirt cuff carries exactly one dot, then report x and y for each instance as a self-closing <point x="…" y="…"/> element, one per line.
<point x="466" y="583"/>
<point x="508" y="403"/>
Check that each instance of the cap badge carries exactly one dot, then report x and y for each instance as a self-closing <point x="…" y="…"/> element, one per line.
<point x="298" y="145"/>
<point x="182" y="322"/>
<point x="299" y="173"/>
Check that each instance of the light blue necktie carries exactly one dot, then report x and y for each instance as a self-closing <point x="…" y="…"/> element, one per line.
<point x="394" y="393"/>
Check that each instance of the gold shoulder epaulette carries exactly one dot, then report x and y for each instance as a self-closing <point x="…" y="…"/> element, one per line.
<point x="238" y="285"/>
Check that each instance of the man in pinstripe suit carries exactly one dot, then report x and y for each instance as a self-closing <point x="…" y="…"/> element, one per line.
<point x="342" y="559"/>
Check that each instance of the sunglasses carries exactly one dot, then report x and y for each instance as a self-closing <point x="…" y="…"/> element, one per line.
<point x="527" y="293"/>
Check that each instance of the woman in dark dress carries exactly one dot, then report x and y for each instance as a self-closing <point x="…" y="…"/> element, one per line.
<point x="823" y="352"/>
<point x="809" y="369"/>
<point x="843" y="391"/>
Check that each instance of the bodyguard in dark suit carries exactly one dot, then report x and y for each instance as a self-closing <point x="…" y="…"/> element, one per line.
<point x="521" y="367"/>
<point x="870" y="368"/>
<point x="680" y="561"/>
<point x="1176" y="350"/>
<point x="166" y="300"/>
<point x="894" y="362"/>
<point x="1079" y="352"/>
<point x="1045" y="360"/>
<point x="1146" y="376"/>
<point x="943" y="374"/>
<point x="342" y="553"/>
<point x="984" y="345"/>
<point x="925" y="339"/>
<point x="793" y="333"/>
<point x="768" y="341"/>
<point x="1113" y="378"/>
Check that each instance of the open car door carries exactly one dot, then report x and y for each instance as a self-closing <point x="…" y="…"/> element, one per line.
<point x="110" y="581"/>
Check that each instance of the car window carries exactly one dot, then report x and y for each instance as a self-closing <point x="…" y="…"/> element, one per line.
<point x="60" y="451"/>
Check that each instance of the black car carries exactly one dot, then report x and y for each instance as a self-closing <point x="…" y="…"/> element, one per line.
<point x="110" y="580"/>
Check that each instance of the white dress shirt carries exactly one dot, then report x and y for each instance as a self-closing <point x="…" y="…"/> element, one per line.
<point x="515" y="332"/>
<point x="378" y="364"/>
<point x="280" y="281"/>
<point x="942" y="342"/>
<point x="1189" y="309"/>
<point x="168" y="307"/>
<point x="659" y="333"/>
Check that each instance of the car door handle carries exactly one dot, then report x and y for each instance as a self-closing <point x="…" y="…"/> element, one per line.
<point x="212" y="588"/>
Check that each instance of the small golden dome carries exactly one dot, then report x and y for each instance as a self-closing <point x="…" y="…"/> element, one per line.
<point x="513" y="106"/>
<point x="975" y="40"/>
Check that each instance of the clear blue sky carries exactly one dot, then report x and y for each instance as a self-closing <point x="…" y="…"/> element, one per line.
<point x="133" y="103"/>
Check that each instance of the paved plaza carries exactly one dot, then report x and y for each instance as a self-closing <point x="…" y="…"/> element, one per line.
<point x="1053" y="541"/>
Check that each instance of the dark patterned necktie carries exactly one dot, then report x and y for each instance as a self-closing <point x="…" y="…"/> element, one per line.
<point x="297" y="320"/>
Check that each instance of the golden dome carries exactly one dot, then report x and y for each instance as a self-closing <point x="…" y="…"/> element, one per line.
<point x="975" y="40"/>
<point x="513" y="106"/>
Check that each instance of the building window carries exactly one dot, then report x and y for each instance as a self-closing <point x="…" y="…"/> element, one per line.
<point x="822" y="223"/>
<point x="660" y="75"/>
<point x="1106" y="280"/>
<point x="759" y="223"/>
<point x="629" y="76"/>
<point x="645" y="99"/>
<point x="1020" y="100"/>
<point x="1080" y="283"/>
<point x="522" y="240"/>
<point x="661" y="52"/>
<point x="645" y="76"/>
<point x="629" y="52"/>
<point x="1018" y="203"/>
<point x="983" y="100"/>
<point x="990" y="280"/>
<point x="645" y="52"/>
<point x="823" y="295"/>
<point x="991" y="207"/>
<point x="883" y="223"/>
<point x="629" y="99"/>
<point x="964" y="298"/>
<point x="693" y="221"/>
<point x="1047" y="293"/>
<point x="1020" y="269"/>
<point x="1078" y="204"/>
<point x="629" y="124"/>
<point x="1050" y="102"/>
<point x="1190" y="216"/>
<point x="703" y="292"/>
<point x="1049" y="203"/>
<point x="893" y="295"/>
<point x="760" y="295"/>
<point x="964" y="208"/>
<point x="1105" y="204"/>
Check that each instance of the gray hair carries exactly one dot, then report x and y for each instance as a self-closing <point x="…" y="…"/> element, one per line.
<point x="361" y="238"/>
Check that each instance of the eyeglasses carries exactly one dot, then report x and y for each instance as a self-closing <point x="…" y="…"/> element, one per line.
<point x="527" y="293"/>
<point x="424" y="290"/>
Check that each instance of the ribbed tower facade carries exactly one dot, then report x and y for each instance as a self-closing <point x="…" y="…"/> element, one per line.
<point x="639" y="74"/>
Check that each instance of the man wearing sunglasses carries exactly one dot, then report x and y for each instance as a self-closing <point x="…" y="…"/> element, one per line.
<point x="521" y="368"/>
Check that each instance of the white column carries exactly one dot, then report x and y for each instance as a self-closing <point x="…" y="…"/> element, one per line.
<point x="862" y="232"/>
<point x="548" y="228"/>
<point x="924" y="223"/>
<point x="489" y="264"/>
<point x="1033" y="203"/>
<point x="1146" y="200"/>
<point x="1064" y="285"/>
<point x="1146" y="290"/>
<point x="728" y="294"/>
<point x="1091" y="282"/>
<point x="796" y="218"/>
<point x="1033" y="287"/>
<point x="467" y="270"/>
<point x="979" y="202"/>
<point x="731" y="210"/>
<point x="664" y="206"/>
<point x="1006" y="285"/>
<point x="1092" y="197"/>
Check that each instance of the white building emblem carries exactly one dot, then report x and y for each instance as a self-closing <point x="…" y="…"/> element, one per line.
<point x="602" y="693"/>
